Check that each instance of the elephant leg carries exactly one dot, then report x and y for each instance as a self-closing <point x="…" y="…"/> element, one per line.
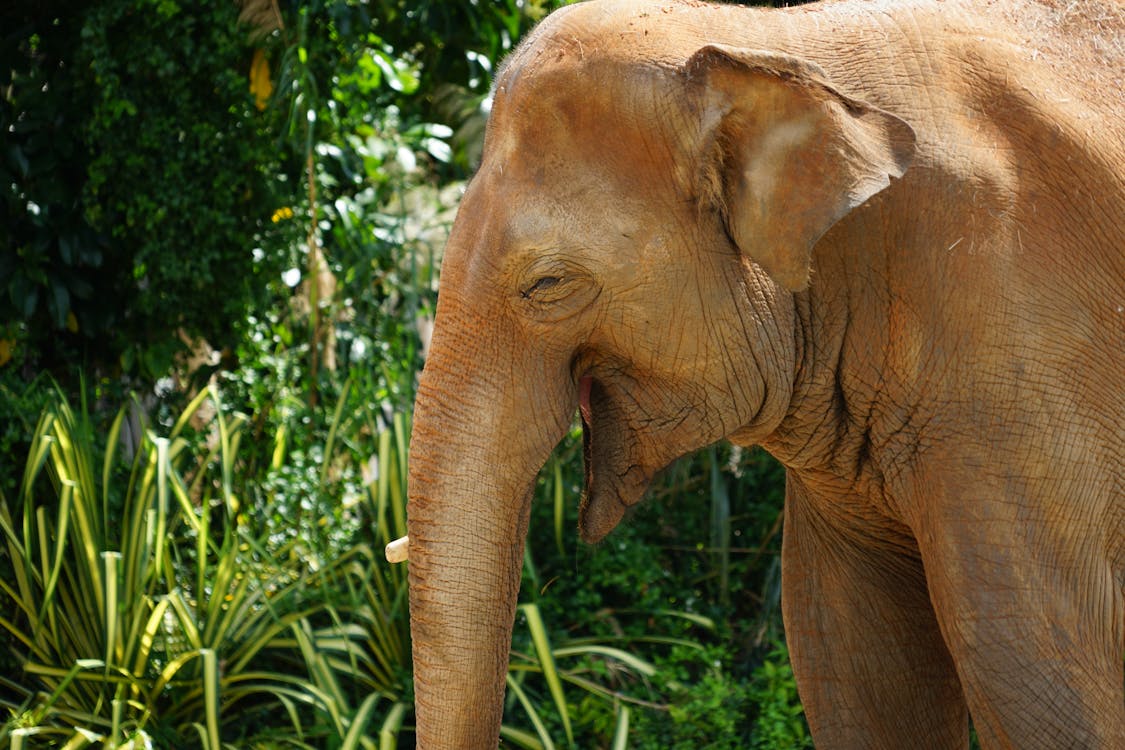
<point x="1035" y="620"/>
<point x="871" y="666"/>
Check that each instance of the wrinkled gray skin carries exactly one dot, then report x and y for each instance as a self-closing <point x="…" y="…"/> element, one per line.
<point x="885" y="241"/>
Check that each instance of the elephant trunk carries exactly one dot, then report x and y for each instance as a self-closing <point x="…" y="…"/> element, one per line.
<point x="472" y="475"/>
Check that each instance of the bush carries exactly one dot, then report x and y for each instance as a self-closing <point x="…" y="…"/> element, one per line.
<point x="779" y="721"/>
<point x="688" y="585"/>
<point x="135" y="175"/>
<point x="141" y="608"/>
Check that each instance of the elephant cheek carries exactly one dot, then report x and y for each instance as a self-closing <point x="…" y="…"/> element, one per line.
<point x="612" y="484"/>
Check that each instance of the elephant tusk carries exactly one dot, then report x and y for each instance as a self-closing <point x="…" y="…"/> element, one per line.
<point x="398" y="550"/>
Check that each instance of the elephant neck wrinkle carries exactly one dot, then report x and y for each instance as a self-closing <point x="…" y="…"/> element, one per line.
<point x="835" y="432"/>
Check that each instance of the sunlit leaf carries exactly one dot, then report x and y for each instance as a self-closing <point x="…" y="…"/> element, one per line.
<point x="547" y="662"/>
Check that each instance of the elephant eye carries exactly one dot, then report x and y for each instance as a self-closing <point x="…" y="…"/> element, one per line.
<point x="547" y="282"/>
<point x="553" y="286"/>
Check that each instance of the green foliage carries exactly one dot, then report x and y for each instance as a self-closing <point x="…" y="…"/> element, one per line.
<point x="20" y="406"/>
<point x="49" y="248"/>
<point x="687" y="585"/>
<point x="181" y="170"/>
<point x="135" y="173"/>
<point x="601" y="671"/>
<point x="779" y="722"/>
<point x="133" y="583"/>
<point x="363" y="649"/>
<point x="714" y="709"/>
<point x="708" y="707"/>
<point x="128" y="591"/>
<point x="457" y="46"/>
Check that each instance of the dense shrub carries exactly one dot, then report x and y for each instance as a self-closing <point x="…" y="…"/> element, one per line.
<point x="136" y="176"/>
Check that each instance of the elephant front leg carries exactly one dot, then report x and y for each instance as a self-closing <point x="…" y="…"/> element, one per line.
<point x="1035" y="619"/>
<point x="871" y="666"/>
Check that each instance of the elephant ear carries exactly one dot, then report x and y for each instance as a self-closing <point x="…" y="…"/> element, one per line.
<point x="787" y="155"/>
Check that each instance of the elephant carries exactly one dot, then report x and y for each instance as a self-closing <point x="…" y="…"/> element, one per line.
<point x="884" y="241"/>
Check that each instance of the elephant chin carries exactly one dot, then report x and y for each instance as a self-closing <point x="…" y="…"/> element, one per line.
<point x="612" y="485"/>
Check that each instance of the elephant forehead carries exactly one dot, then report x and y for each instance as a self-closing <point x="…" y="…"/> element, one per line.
<point x="557" y="167"/>
<point x="507" y="226"/>
<point x="578" y="95"/>
<point x="574" y="118"/>
<point x="517" y="207"/>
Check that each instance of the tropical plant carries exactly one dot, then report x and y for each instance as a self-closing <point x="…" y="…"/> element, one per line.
<point x="143" y="610"/>
<point x="362" y="652"/>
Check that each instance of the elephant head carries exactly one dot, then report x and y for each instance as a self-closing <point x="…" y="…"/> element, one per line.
<point x="628" y="250"/>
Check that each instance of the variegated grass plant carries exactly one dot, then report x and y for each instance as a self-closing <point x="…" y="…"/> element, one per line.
<point x="359" y="661"/>
<point x="149" y="612"/>
<point x="144" y="613"/>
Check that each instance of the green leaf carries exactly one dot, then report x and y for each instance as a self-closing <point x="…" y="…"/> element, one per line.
<point x="634" y="662"/>
<point x="23" y="294"/>
<point x="211" y="696"/>
<point x="16" y="154"/>
<point x="547" y="664"/>
<point x="532" y="714"/>
<point x="621" y="732"/>
<point x="359" y="722"/>
<point x="438" y="149"/>
<point x="392" y="724"/>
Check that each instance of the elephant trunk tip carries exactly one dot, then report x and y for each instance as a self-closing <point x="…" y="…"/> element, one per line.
<point x="398" y="550"/>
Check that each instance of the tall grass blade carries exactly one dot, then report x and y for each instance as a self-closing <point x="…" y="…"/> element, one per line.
<point x="632" y="661"/>
<point x="720" y="525"/>
<point x="560" y="504"/>
<point x="333" y="427"/>
<point x="154" y="625"/>
<point x="520" y="738"/>
<point x="392" y="725"/>
<point x="532" y="714"/>
<point x="18" y="735"/>
<point x="700" y="620"/>
<point x="111" y="442"/>
<point x="382" y="490"/>
<point x="322" y="675"/>
<point x="118" y="707"/>
<point x="547" y="663"/>
<point x="621" y="733"/>
<point x="22" y="594"/>
<point x="530" y="574"/>
<point x="211" y="696"/>
<point x="41" y="442"/>
<point x="81" y="738"/>
<point x="112" y="616"/>
<point x="161" y="500"/>
<point x="359" y="721"/>
<point x="279" y="445"/>
<point x="51" y="572"/>
<point x="189" y="411"/>
<point x="398" y="506"/>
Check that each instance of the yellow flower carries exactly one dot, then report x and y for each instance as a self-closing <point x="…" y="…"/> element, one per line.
<point x="260" y="84"/>
<point x="282" y="213"/>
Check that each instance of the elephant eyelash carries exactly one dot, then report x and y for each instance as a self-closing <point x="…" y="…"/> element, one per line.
<point x="547" y="282"/>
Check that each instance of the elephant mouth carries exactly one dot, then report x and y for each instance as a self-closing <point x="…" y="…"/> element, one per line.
<point x="585" y="385"/>
<point x="612" y="483"/>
